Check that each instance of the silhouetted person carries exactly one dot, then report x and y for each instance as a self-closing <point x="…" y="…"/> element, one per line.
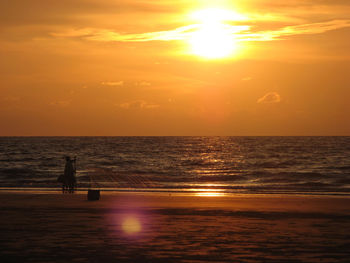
<point x="68" y="179"/>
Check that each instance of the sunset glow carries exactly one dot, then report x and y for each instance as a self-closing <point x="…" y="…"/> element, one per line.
<point x="212" y="41"/>
<point x="210" y="194"/>
<point x="174" y="67"/>
<point x="214" y="37"/>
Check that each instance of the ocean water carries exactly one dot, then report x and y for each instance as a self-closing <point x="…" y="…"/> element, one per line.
<point x="293" y="165"/>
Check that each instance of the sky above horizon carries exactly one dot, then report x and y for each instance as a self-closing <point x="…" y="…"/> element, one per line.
<point x="126" y="67"/>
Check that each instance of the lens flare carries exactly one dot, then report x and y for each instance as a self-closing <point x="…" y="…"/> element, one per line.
<point x="131" y="225"/>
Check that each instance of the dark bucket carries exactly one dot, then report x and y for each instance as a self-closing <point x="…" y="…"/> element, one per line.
<point x="93" y="195"/>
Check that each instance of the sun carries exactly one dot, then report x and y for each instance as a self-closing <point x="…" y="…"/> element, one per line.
<point x="214" y="38"/>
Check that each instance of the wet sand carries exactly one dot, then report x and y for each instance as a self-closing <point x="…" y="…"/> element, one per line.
<point x="132" y="227"/>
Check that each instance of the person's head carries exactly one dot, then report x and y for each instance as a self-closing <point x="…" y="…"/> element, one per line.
<point x="67" y="158"/>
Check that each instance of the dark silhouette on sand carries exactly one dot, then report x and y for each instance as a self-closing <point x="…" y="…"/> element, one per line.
<point x="68" y="179"/>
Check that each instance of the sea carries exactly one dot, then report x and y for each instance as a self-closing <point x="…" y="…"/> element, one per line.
<point x="227" y="165"/>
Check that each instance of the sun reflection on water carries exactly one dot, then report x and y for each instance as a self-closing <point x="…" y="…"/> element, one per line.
<point x="210" y="194"/>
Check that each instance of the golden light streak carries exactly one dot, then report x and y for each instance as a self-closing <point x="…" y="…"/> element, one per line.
<point x="210" y="194"/>
<point x="213" y="32"/>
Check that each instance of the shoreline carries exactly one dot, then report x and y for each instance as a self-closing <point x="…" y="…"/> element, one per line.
<point x="299" y="203"/>
<point x="148" y="227"/>
<point x="172" y="191"/>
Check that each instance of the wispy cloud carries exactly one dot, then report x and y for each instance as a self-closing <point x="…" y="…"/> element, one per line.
<point x="271" y="97"/>
<point x="61" y="103"/>
<point x="11" y="99"/>
<point x="181" y="33"/>
<point x="312" y="28"/>
<point x="143" y="84"/>
<point x="113" y="83"/>
<point x="108" y="35"/>
<point x="239" y="32"/>
<point x="138" y="104"/>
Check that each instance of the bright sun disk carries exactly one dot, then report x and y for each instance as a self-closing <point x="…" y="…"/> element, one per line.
<point x="213" y="38"/>
<point x="212" y="41"/>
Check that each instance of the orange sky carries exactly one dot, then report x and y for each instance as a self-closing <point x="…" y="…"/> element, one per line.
<point x="127" y="67"/>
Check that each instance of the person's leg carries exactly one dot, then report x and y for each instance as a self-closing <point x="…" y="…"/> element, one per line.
<point x="71" y="187"/>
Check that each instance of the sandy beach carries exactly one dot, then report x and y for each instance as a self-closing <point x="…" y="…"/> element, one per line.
<point x="136" y="227"/>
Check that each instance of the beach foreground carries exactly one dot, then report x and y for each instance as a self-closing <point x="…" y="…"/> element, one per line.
<point x="135" y="227"/>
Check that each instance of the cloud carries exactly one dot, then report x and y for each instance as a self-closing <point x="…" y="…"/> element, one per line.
<point x="105" y="35"/>
<point x="238" y="32"/>
<point x="19" y="12"/>
<point x="113" y="83"/>
<point x="61" y="103"/>
<point x="143" y="84"/>
<point x="247" y="79"/>
<point x="11" y="99"/>
<point x="138" y="104"/>
<point x="271" y="97"/>
<point x="312" y="28"/>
